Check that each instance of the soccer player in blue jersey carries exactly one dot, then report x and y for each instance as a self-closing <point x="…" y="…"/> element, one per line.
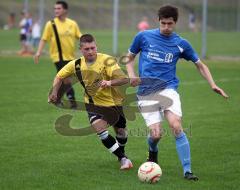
<point x="159" y="51"/>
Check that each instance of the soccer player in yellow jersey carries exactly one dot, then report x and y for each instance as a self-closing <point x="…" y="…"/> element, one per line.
<point x="100" y="75"/>
<point x="61" y="51"/>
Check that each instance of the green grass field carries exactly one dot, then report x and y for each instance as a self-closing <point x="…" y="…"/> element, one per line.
<point x="34" y="156"/>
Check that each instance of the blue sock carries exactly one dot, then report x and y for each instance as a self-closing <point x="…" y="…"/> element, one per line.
<point x="183" y="149"/>
<point x="152" y="144"/>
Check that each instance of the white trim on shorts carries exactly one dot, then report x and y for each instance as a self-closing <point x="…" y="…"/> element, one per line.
<point x="156" y="114"/>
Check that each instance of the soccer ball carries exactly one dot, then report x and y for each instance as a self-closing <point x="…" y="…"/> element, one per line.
<point x="149" y="172"/>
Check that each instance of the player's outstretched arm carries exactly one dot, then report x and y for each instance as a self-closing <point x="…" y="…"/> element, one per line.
<point x="205" y="72"/>
<point x="39" y="51"/>
<point x="134" y="80"/>
<point x="114" y="82"/>
<point x="52" y="98"/>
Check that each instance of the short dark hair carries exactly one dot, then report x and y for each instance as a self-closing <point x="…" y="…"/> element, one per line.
<point x="168" y="11"/>
<point x="63" y="3"/>
<point x="86" y="38"/>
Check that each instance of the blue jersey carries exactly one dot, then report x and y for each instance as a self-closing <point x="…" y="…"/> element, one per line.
<point x="158" y="58"/>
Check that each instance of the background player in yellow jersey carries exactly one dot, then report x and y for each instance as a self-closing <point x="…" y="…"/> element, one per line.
<point x="61" y="51"/>
<point x="100" y="81"/>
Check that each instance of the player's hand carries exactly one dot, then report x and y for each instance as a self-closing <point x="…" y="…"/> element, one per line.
<point x="36" y="57"/>
<point x="135" y="81"/>
<point x="105" y="83"/>
<point x="52" y="98"/>
<point x="220" y="91"/>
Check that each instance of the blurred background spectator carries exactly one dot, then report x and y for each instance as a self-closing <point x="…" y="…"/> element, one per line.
<point x="143" y="24"/>
<point x="36" y="33"/>
<point x="192" y="21"/>
<point x="25" y="25"/>
<point x="10" y="21"/>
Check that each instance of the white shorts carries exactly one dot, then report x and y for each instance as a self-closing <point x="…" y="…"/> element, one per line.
<point x="152" y="106"/>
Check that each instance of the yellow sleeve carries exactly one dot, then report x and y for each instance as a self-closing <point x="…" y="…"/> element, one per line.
<point x="114" y="71"/>
<point x="67" y="70"/>
<point x="78" y="33"/>
<point x="47" y="32"/>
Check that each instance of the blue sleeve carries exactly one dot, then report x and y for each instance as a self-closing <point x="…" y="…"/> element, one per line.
<point x="135" y="47"/>
<point x="188" y="52"/>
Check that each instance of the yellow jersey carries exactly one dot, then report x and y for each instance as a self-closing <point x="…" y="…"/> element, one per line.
<point x="104" y="68"/>
<point x="68" y="32"/>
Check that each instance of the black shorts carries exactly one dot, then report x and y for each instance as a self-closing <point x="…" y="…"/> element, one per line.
<point x="60" y="64"/>
<point x="23" y="37"/>
<point x="113" y="115"/>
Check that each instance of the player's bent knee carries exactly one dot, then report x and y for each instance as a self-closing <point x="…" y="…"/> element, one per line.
<point x="176" y="129"/>
<point x="121" y="132"/>
<point x="155" y="131"/>
<point x="155" y="135"/>
<point x="99" y="125"/>
<point x="177" y="132"/>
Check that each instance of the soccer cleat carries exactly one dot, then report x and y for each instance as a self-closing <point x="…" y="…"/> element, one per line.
<point x="126" y="164"/>
<point x="190" y="176"/>
<point x="152" y="157"/>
